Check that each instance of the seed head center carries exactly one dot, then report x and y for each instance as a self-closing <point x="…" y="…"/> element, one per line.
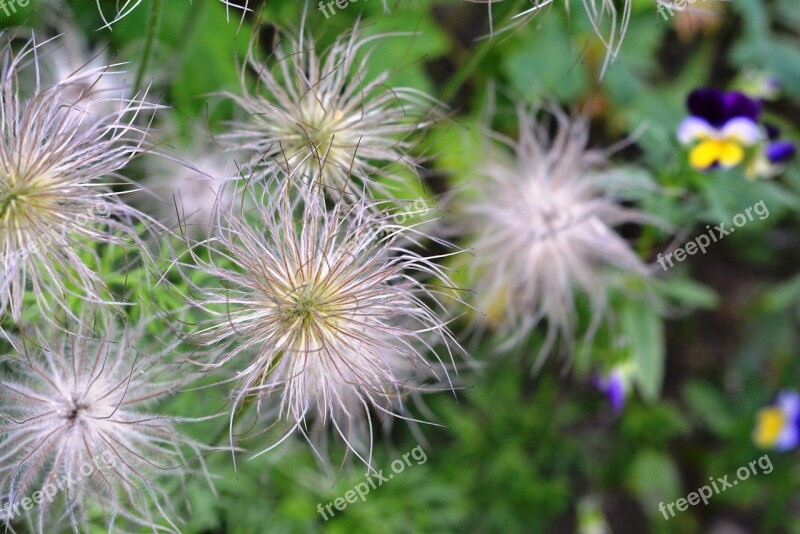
<point x="75" y="409"/>
<point x="11" y="195"/>
<point x="15" y="196"/>
<point x="320" y="126"/>
<point x="307" y="306"/>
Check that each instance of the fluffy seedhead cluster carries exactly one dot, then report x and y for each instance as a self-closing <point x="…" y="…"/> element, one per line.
<point x="542" y="223"/>
<point x="328" y="311"/>
<point x="58" y="164"/>
<point x="320" y="118"/>
<point x="79" y="433"/>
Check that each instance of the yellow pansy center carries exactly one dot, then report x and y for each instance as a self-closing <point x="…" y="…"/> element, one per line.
<point x="728" y="152"/>
<point x="770" y="423"/>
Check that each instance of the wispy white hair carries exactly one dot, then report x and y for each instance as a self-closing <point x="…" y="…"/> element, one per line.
<point x="79" y="425"/>
<point x="184" y="188"/>
<point x="58" y="165"/>
<point x="328" y="313"/>
<point x="123" y="8"/>
<point x="540" y="218"/>
<point x="319" y="115"/>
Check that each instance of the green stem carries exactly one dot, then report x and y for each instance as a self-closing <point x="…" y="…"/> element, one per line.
<point x="467" y="69"/>
<point x="150" y="39"/>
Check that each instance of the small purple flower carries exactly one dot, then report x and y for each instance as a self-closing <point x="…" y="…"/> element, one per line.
<point x="780" y="151"/>
<point x="615" y="386"/>
<point x="770" y="161"/>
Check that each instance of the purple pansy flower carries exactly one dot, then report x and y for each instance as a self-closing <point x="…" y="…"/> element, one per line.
<point x="719" y="107"/>
<point x="722" y="124"/>
<point x="778" y="425"/>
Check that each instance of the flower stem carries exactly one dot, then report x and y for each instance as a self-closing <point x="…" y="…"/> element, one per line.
<point x="468" y="68"/>
<point x="150" y="39"/>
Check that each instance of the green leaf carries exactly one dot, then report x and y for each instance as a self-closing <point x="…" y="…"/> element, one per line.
<point x="654" y="478"/>
<point x="686" y="292"/>
<point x="645" y="332"/>
<point x="534" y="71"/>
<point x="782" y="296"/>
<point x="708" y="406"/>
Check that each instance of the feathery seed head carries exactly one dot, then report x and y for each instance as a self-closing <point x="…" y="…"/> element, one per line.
<point x="328" y="313"/>
<point x="77" y="426"/>
<point x="542" y="229"/>
<point x="55" y="197"/>
<point x="322" y="116"/>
